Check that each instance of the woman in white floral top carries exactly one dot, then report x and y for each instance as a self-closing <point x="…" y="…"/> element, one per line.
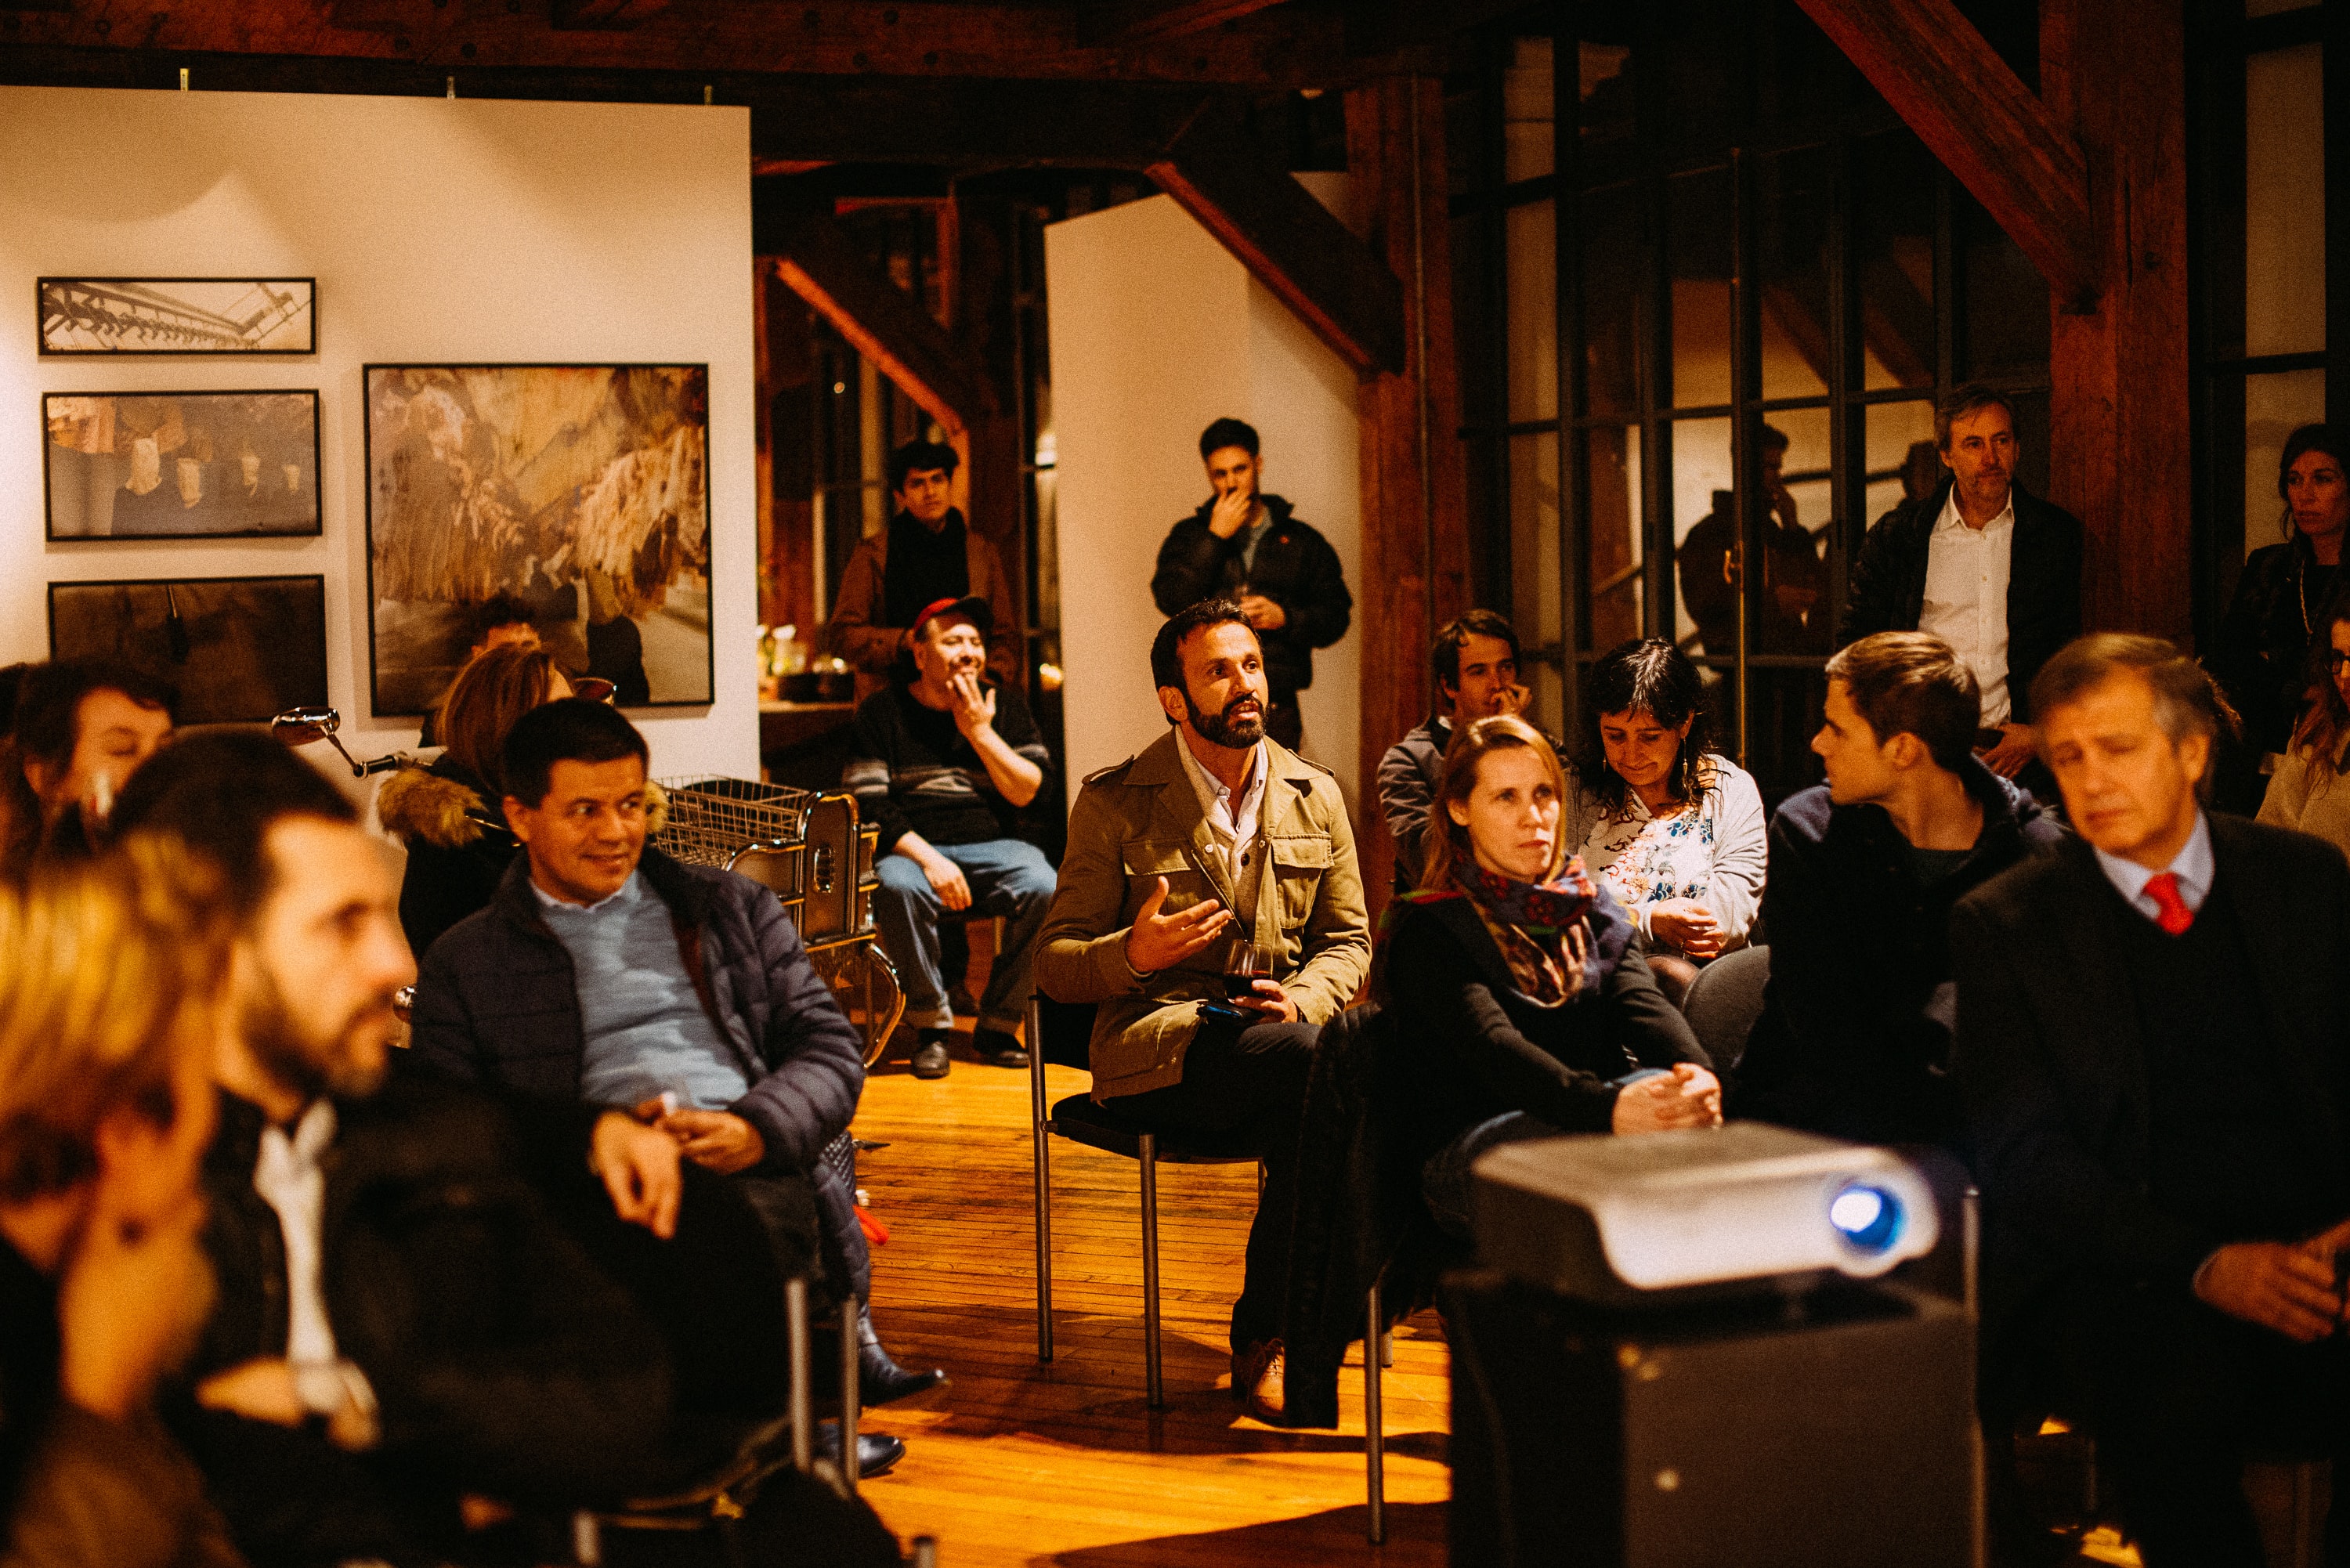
<point x="1676" y="832"/>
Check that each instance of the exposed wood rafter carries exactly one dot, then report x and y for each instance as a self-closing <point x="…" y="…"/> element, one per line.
<point x="1289" y="241"/>
<point x="1976" y="115"/>
<point x="603" y="12"/>
<point x="1165" y="18"/>
<point x="820" y="264"/>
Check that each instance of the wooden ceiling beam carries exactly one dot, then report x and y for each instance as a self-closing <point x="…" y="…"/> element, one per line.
<point x="1284" y="46"/>
<point x="818" y="261"/>
<point x="1291" y="243"/>
<point x="1138" y="19"/>
<point x="1976" y="115"/>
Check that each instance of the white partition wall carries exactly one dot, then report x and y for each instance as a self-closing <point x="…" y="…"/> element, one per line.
<point x="439" y="232"/>
<point x="1157" y="330"/>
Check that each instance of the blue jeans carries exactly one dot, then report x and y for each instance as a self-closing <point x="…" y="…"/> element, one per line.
<point x="1008" y="877"/>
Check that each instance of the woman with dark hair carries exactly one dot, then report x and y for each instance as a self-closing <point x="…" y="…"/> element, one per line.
<point x="77" y="730"/>
<point x="2307" y="792"/>
<point x="2260" y="654"/>
<point x="449" y="814"/>
<point x="1521" y="975"/>
<point x="1675" y="833"/>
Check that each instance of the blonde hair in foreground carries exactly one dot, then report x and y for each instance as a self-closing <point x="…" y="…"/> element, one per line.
<point x="1470" y="748"/>
<point x="113" y="967"/>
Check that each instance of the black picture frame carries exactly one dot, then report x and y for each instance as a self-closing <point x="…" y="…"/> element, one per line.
<point x="78" y="483"/>
<point x="239" y="649"/>
<point x="77" y="317"/>
<point x="425" y="581"/>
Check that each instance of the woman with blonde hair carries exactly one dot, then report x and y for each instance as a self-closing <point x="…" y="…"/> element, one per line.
<point x="1523" y="978"/>
<point x="2307" y="792"/>
<point x="448" y="815"/>
<point x="109" y="1017"/>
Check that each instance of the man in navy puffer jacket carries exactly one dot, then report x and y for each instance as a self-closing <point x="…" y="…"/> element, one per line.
<point x="605" y="971"/>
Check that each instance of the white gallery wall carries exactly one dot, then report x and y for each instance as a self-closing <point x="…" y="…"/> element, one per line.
<point x="440" y="232"/>
<point x="1156" y="331"/>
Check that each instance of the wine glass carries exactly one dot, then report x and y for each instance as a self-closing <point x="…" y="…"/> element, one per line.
<point x="1245" y="963"/>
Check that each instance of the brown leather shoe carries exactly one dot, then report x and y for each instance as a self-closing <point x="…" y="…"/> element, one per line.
<point x="1258" y="1377"/>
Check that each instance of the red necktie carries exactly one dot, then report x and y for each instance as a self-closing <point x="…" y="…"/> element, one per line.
<point x="2175" y="917"/>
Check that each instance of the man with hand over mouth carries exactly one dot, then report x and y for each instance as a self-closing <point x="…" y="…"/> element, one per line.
<point x="945" y="762"/>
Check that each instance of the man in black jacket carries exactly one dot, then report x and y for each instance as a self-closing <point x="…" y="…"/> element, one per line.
<point x="1245" y="545"/>
<point x="2152" y="1033"/>
<point x="401" y="1321"/>
<point x="1854" y="1037"/>
<point x="1990" y="570"/>
<point x="606" y="972"/>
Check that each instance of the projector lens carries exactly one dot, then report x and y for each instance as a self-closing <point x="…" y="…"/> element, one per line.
<point x="1867" y="1217"/>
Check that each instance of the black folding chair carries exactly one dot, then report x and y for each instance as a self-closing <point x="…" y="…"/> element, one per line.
<point x="1058" y="1032"/>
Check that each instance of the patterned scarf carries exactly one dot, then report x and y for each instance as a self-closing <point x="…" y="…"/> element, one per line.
<point x="1529" y="921"/>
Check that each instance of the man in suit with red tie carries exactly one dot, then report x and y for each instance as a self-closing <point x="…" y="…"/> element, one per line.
<point x="2154" y="1049"/>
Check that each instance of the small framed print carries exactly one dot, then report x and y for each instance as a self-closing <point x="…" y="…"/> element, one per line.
<point x="180" y="465"/>
<point x="179" y="314"/>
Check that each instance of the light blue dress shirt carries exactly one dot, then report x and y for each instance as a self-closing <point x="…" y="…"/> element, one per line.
<point x="2193" y="866"/>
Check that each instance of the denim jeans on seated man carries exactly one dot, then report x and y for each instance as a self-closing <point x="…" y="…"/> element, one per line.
<point x="1008" y="877"/>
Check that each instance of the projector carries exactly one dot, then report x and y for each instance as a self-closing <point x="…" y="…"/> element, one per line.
<point x="1707" y="1212"/>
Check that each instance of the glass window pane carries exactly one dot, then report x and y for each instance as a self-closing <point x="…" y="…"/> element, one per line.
<point x="2003" y="299"/>
<point x="1606" y="89"/>
<point x="1795" y="522"/>
<point x="2271" y="8"/>
<point x="2275" y="405"/>
<point x="1472" y="330"/>
<point x="1902" y="463"/>
<point x="1528" y="149"/>
<point x="1612" y="575"/>
<point x="1893" y="243"/>
<point x="1708" y="74"/>
<point x="1611" y="298"/>
<point x="2284" y="201"/>
<point x="1530" y="235"/>
<point x="1533" y="553"/>
<point x="1705" y="528"/>
<point x="1699" y="248"/>
<point x="1797" y="205"/>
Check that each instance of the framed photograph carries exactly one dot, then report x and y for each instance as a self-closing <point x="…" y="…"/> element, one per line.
<point x="239" y="649"/>
<point x="573" y="497"/>
<point x="179" y="314"/>
<point x="180" y="465"/>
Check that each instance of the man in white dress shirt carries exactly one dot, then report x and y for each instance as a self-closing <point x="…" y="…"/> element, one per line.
<point x="1983" y="563"/>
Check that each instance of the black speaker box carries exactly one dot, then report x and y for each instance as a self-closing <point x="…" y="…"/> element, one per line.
<point x="1833" y="1431"/>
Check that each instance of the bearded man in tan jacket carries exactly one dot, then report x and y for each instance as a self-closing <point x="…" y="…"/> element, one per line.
<point x="1211" y="837"/>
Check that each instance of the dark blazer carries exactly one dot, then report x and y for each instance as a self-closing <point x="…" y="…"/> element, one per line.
<point x="502" y="1361"/>
<point x="2043" y="582"/>
<point x="1294" y="567"/>
<point x="2052" y="1071"/>
<point x="2260" y="655"/>
<point x="1854" y="1035"/>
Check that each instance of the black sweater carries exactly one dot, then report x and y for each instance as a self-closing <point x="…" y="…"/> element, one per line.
<point x="912" y="770"/>
<point x="1492" y="1049"/>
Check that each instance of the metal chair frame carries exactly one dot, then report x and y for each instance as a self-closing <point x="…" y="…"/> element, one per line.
<point x="1143" y="1147"/>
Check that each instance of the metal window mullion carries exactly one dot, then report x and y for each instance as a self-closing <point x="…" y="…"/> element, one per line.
<point x="1573" y="456"/>
<point x="1847" y="374"/>
<point x="2336" y="46"/>
<point x="1746" y="395"/>
<point x="1493" y="131"/>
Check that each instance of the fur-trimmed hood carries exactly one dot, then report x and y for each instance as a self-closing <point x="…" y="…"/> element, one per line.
<point x="431" y="806"/>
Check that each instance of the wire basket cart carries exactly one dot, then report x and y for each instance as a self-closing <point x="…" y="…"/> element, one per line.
<point x="815" y="855"/>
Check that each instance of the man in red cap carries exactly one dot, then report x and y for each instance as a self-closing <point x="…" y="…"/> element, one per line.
<point x="945" y="763"/>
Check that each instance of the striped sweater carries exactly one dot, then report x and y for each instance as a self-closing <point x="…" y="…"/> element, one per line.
<point x="912" y="770"/>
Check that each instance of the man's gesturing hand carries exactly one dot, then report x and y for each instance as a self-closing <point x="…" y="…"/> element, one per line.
<point x="1157" y="941"/>
<point x="2288" y="1289"/>
<point x="638" y="1164"/>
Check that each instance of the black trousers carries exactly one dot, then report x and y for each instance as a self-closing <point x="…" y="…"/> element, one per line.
<point x="1248" y="1080"/>
<point x="2179" y="1394"/>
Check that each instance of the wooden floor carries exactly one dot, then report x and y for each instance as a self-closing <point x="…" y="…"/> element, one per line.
<point x="1064" y="1463"/>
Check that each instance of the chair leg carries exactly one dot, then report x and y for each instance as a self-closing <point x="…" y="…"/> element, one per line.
<point x="1044" y="1181"/>
<point x="1387" y="1350"/>
<point x="852" y="1397"/>
<point x="1152" y="1377"/>
<point x="802" y="1410"/>
<point x="1374" y="1435"/>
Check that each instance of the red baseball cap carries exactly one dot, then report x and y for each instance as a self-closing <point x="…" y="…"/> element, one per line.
<point x="971" y="607"/>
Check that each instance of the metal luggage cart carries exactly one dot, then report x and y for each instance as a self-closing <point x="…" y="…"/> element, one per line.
<point x="817" y="857"/>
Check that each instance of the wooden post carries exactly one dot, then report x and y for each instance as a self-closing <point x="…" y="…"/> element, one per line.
<point x="2118" y="443"/>
<point x="1415" y="562"/>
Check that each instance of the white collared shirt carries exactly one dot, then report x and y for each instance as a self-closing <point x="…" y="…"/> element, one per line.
<point x="1966" y="598"/>
<point x="2193" y="866"/>
<point x="1233" y="822"/>
<point x="288" y="1178"/>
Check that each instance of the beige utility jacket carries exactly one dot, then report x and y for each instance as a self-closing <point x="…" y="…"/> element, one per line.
<point x="1142" y="820"/>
